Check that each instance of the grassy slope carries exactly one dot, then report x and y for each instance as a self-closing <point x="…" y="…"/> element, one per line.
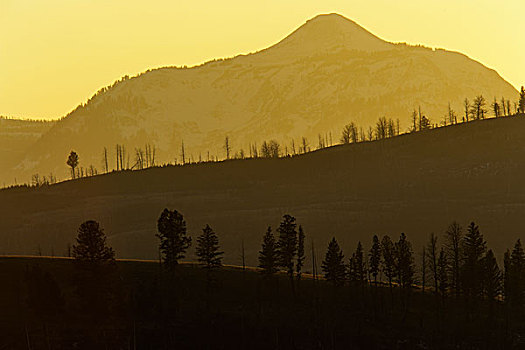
<point x="159" y="310"/>
<point x="415" y="183"/>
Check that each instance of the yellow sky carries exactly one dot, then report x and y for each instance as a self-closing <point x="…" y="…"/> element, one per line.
<point x="54" y="54"/>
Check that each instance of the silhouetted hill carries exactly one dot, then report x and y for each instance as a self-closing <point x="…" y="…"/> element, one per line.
<point x="415" y="183"/>
<point x="326" y="73"/>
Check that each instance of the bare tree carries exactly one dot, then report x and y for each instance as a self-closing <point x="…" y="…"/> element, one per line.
<point x="227" y="147"/>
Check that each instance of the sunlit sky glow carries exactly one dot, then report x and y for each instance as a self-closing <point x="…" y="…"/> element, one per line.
<point x="54" y="54"/>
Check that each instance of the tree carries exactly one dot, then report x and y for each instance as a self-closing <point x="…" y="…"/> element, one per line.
<point x="495" y="108"/>
<point x="453" y="239"/>
<point x="452" y="117"/>
<point x="404" y="262"/>
<point x="287" y="244"/>
<point x="515" y="276"/>
<point x="172" y="235"/>
<point x="333" y="265"/>
<point x="466" y="105"/>
<point x="491" y="276"/>
<point x="478" y="109"/>
<point x="268" y="254"/>
<point x="227" y="147"/>
<point x="357" y="269"/>
<point x="521" y="102"/>
<point x="389" y="259"/>
<point x="105" y="160"/>
<point x="375" y="258"/>
<point x="72" y="161"/>
<point x="442" y="273"/>
<point x="300" y="251"/>
<point x="208" y="249"/>
<point x="304" y="145"/>
<point x="91" y="244"/>
<point x="432" y="257"/>
<point x="474" y="248"/>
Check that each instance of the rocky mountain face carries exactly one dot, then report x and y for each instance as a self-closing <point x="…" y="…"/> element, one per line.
<point x="330" y="71"/>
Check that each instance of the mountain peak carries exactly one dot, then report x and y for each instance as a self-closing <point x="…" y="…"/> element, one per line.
<point x="328" y="32"/>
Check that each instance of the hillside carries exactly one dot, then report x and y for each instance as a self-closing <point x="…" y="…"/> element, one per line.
<point x="137" y="305"/>
<point x="326" y="73"/>
<point x="415" y="183"/>
<point x="16" y="137"/>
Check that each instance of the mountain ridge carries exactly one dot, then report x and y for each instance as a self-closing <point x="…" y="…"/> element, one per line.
<point x="270" y="94"/>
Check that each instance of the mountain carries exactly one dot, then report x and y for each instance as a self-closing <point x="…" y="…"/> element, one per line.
<point x="414" y="183"/>
<point x="16" y="137"/>
<point x="328" y="72"/>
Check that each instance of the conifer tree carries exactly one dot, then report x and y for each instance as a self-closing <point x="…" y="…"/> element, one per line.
<point x="521" y="102"/>
<point x="491" y="276"/>
<point x="375" y="258"/>
<point x="404" y="262"/>
<point x="300" y="251"/>
<point x="389" y="259"/>
<point x="515" y="283"/>
<point x="287" y="244"/>
<point x="432" y="257"/>
<point x="442" y="273"/>
<point x="173" y="239"/>
<point x="91" y="244"/>
<point x="357" y="265"/>
<point x="474" y="248"/>
<point x="208" y="249"/>
<point x="453" y="239"/>
<point x="72" y="161"/>
<point x="268" y="254"/>
<point x="333" y="264"/>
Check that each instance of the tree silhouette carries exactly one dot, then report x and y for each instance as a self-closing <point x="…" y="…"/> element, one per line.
<point x="300" y="251"/>
<point x="521" y="102"/>
<point x="404" y="262"/>
<point x="72" y="162"/>
<point x="442" y="273"/>
<point x="227" y="147"/>
<point x="91" y="244"/>
<point x="515" y="276"/>
<point x="268" y="254"/>
<point x="172" y="235"/>
<point x="333" y="265"/>
<point x="356" y="270"/>
<point x="432" y="257"/>
<point x="287" y="244"/>
<point x="453" y="239"/>
<point x="492" y="277"/>
<point x="474" y="248"/>
<point x="389" y="259"/>
<point x="208" y="249"/>
<point x="375" y="258"/>
<point x="478" y="109"/>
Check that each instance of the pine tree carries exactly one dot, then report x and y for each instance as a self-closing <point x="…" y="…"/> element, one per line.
<point x="357" y="265"/>
<point x="91" y="244"/>
<point x="287" y="245"/>
<point x="453" y="239"/>
<point x="72" y="161"/>
<point x="404" y="262"/>
<point x="474" y="248"/>
<point x="375" y="258"/>
<point x="491" y="277"/>
<point x="432" y="257"/>
<point x="208" y="249"/>
<point x="521" y="102"/>
<point x="300" y="252"/>
<point x="333" y="264"/>
<point x="389" y="259"/>
<point x="268" y="254"/>
<point x="442" y="273"/>
<point x="173" y="239"/>
<point x="515" y="276"/>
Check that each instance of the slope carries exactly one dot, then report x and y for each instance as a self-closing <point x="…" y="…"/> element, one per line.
<point x="416" y="183"/>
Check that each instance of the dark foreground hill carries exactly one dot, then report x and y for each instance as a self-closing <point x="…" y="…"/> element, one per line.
<point x="416" y="183"/>
<point x="55" y="304"/>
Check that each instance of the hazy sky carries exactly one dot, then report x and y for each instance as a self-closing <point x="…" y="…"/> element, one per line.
<point x="54" y="54"/>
